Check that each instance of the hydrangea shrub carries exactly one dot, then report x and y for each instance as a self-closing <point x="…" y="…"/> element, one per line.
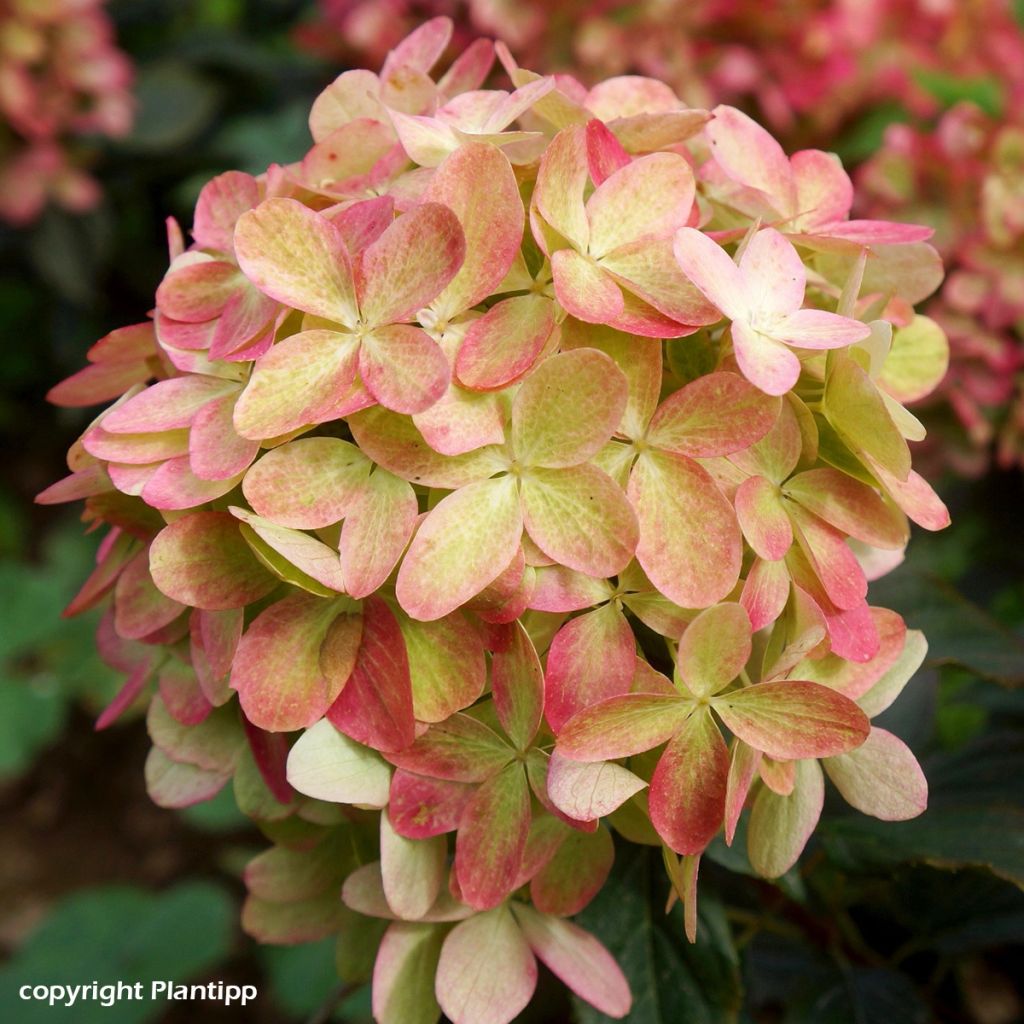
<point x="505" y="475"/>
<point x="62" y="79"/>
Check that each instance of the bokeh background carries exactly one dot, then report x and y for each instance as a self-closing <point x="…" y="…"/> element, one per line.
<point x="114" y="122"/>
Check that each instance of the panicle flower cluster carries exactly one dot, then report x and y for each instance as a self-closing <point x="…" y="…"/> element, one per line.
<point x="61" y="78"/>
<point x="966" y="176"/>
<point x="811" y="68"/>
<point x="507" y="473"/>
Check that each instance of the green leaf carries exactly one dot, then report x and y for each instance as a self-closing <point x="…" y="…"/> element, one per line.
<point x="302" y="978"/>
<point x="31" y="716"/>
<point x="121" y="933"/>
<point x="958" y="631"/>
<point x="983" y="92"/>
<point x="867" y="995"/>
<point x="672" y="981"/>
<point x="175" y="104"/>
<point x="949" y="837"/>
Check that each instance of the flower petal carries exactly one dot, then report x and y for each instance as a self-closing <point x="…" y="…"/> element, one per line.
<point x="568" y="409"/>
<point x="622" y="726"/>
<point x="492" y="837"/>
<point x="816" y="328"/>
<point x="781" y="825"/>
<point x="580" y="518"/>
<point x="765" y="362"/>
<point x="584" y="289"/>
<point x="590" y="659"/>
<point x="578" y="959"/>
<point x="375" y="706"/>
<point x="690" y="544"/>
<point x="277" y="670"/>
<point x="503" y="344"/>
<point x="411" y="263"/>
<point x="403" y="368"/>
<point x="297" y="257"/>
<point x="763" y="518"/>
<point x="301" y="381"/>
<point x="717" y="414"/>
<point x="714" y="649"/>
<point x="687" y="794"/>
<point x="712" y="270"/>
<point x="648" y="198"/>
<point x="468" y="987"/>
<point x="881" y="778"/>
<point x="561" y="180"/>
<point x="478" y="185"/>
<point x="792" y="719"/>
<point x="463" y="544"/>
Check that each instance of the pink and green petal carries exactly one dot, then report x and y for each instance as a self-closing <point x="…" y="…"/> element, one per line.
<point x="714" y="649"/>
<point x="403" y="368"/>
<point x="690" y="544"/>
<point x="818" y="329"/>
<point x="648" y="198"/>
<point x="881" y="778"/>
<point x="588" y="791"/>
<point x="394" y="442"/>
<point x="584" y="289"/>
<point x="477" y="184"/>
<point x="580" y="518"/>
<point x="622" y="726"/>
<point x="850" y="506"/>
<point x="560" y="183"/>
<point x="166" y="405"/>
<point x="578" y="959"/>
<point x="504" y="344"/>
<point x="712" y="270"/>
<point x="411" y="263"/>
<point x="420" y="807"/>
<point x="403" y="974"/>
<point x="221" y="202"/>
<point x="717" y="414"/>
<point x="590" y="659"/>
<point x="567" y="409"/>
<point x="202" y="560"/>
<point x="765" y="362"/>
<point x="743" y="765"/>
<point x="575" y="874"/>
<point x="412" y="870"/>
<point x="463" y="544"/>
<point x="517" y="684"/>
<point x="276" y="670"/>
<point x="378" y="526"/>
<point x="307" y="484"/>
<point x="833" y="562"/>
<point x="491" y="838"/>
<point x="765" y="591"/>
<point x="459" y="749"/>
<point x="375" y="706"/>
<point x="469" y="989"/>
<point x="793" y="719"/>
<point x="750" y="156"/>
<point x="326" y="765"/>
<point x="763" y="519"/>
<point x="311" y="556"/>
<point x="781" y="825"/>
<point x="300" y="382"/>
<point x="297" y="257"/>
<point x="215" y="450"/>
<point x="687" y="794"/>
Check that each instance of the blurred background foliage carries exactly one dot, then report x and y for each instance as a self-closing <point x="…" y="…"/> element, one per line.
<point x="921" y="921"/>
